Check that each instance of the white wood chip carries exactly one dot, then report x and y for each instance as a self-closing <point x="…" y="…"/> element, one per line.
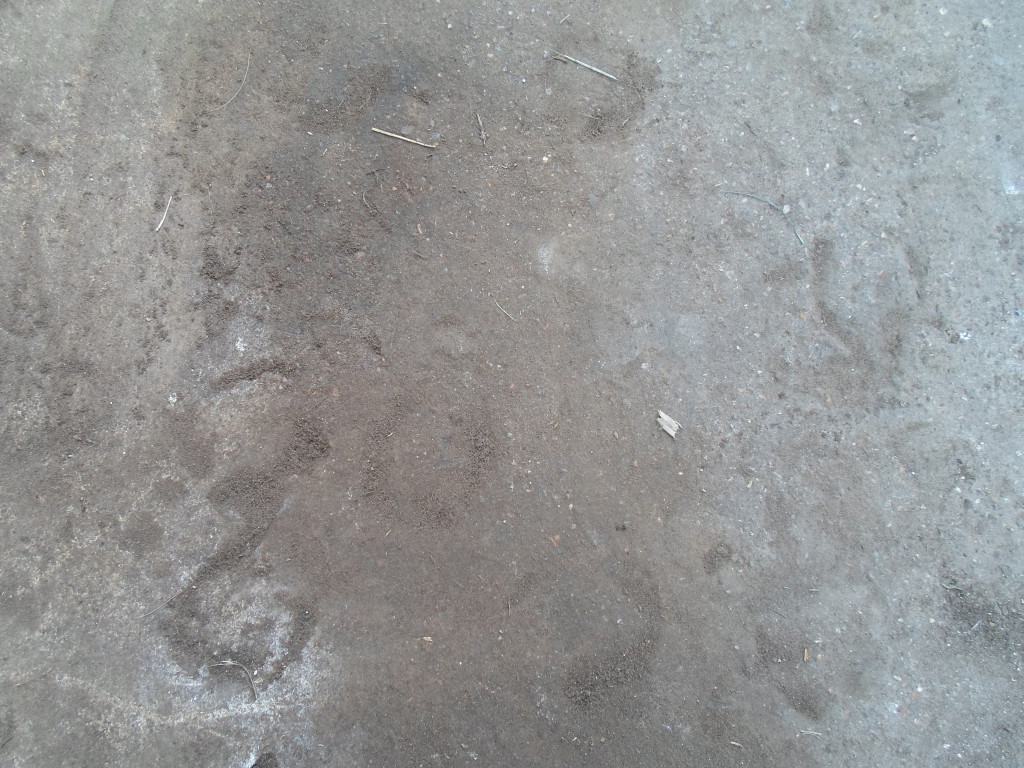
<point x="667" y="423"/>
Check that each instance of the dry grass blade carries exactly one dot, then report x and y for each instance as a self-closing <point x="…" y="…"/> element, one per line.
<point x="778" y="208"/>
<point x="247" y="63"/>
<point x="164" y="217"/>
<point x="252" y="684"/>
<point x="503" y="310"/>
<point x="167" y="601"/>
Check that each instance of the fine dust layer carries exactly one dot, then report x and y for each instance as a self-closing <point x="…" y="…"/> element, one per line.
<point x="321" y="447"/>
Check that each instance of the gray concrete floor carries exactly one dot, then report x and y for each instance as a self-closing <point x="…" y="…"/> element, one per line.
<point x="324" y="448"/>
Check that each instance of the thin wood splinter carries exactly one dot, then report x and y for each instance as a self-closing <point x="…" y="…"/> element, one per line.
<point x="404" y="138"/>
<point x="252" y="684"/>
<point x="584" y="64"/>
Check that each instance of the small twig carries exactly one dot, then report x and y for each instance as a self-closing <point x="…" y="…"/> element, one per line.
<point x="247" y="63"/>
<point x="164" y="217"/>
<point x="952" y="587"/>
<point x="483" y="136"/>
<point x="503" y="310"/>
<point x="167" y="602"/>
<point x="811" y="733"/>
<point x="255" y="696"/>
<point x="404" y="138"/>
<point x="759" y="199"/>
<point x="591" y="67"/>
<point x="773" y="205"/>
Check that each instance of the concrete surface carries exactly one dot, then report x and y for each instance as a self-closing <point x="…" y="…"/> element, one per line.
<point x="376" y="422"/>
